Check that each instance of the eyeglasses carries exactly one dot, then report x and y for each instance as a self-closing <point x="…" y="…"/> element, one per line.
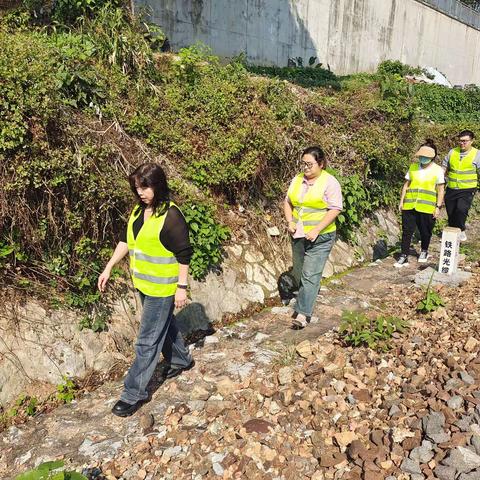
<point x="464" y="140"/>
<point x="308" y="165"/>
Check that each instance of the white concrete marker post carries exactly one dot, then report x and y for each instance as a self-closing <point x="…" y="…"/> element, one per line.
<point x="449" y="251"/>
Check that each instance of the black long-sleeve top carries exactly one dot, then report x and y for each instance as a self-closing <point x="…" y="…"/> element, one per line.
<point x="173" y="235"/>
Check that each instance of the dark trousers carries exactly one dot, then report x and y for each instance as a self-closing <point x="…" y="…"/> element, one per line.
<point x="158" y="333"/>
<point x="457" y="204"/>
<point x="425" y="223"/>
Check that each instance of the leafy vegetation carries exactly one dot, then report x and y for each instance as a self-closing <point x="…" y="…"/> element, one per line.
<point x="207" y="237"/>
<point x="395" y="67"/>
<point x="357" y="329"/>
<point x="398" y="98"/>
<point x="443" y="105"/>
<point x="66" y="391"/>
<point x="25" y="404"/>
<point x="50" y="471"/>
<point x="313" y="75"/>
<point x="356" y="203"/>
<point x="431" y="301"/>
<point x="23" y="407"/>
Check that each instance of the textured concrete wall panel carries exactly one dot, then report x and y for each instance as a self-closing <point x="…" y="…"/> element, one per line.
<point x="349" y="35"/>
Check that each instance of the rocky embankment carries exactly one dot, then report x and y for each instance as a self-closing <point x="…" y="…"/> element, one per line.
<point x="266" y="402"/>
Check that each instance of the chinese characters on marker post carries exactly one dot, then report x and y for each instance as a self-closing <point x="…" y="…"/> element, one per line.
<point x="449" y="251"/>
<point x="447" y="254"/>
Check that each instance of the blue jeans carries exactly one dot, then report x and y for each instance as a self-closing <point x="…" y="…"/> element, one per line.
<point x="158" y="333"/>
<point x="309" y="259"/>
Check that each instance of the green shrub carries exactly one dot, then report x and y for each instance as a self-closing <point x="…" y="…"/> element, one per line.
<point x="431" y="302"/>
<point x="226" y="128"/>
<point x="398" y="97"/>
<point x="122" y="40"/>
<point x="66" y="391"/>
<point x="68" y="12"/>
<point x="357" y="329"/>
<point x="25" y="405"/>
<point x="395" y="67"/>
<point x="432" y="299"/>
<point x="50" y="471"/>
<point x="442" y="104"/>
<point x="356" y="203"/>
<point x="357" y="81"/>
<point x="206" y="236"/>
<point x="308" y="77"/>
<point x="28" y="90"/>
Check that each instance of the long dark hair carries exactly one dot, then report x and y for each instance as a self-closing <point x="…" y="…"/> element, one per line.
<point x="151" y="175"/>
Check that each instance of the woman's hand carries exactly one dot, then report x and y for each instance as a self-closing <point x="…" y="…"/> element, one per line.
<point x="103" y="279"/>
<point x="120" y="251"/>
<point x="400" y="206"/>
<point x="436" y="213"/>
<point x="292" y="227"/>
<point x="312" y="235"/>
<point x="180" y="298"/>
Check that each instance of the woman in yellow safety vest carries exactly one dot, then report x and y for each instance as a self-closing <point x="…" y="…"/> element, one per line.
<point x="312" y="203"/>
<point x="156" y="240"/>
<point x="420" y="201"/>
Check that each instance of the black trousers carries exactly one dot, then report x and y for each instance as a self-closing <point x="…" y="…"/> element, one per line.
<point x="457" y="204"/>
<point x="425" y="223"/>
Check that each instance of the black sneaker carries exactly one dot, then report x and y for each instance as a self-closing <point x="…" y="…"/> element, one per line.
<point x="423" y="257"/>
<point x="402" y="261"/>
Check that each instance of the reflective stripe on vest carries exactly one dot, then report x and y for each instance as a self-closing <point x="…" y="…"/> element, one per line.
<point x="154" y="269"/>
<point x="462" y="172"/>
<point x="422" y="193"/>
<point x="312" y="208"/>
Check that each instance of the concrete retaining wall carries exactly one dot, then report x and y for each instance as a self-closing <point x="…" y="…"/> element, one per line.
<point x="349" y="35"/>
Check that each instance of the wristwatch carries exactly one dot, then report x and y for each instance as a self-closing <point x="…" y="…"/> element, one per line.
<point x="183" y="287"/>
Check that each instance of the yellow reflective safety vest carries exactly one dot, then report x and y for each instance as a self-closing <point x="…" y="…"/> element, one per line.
<point x="462" y="173"/>
<point x="154" y="269"/>
<point x="422" y="193"/>
<point x="312" y="208"/>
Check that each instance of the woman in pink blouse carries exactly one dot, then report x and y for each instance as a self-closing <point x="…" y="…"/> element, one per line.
<point x="312" y="203"/>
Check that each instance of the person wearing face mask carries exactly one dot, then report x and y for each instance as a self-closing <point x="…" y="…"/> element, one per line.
<point x="312" y="203"/>
<point x="420" y="201"/>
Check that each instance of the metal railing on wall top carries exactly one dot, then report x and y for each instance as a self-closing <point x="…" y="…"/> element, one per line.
<point x="456" y="10"/>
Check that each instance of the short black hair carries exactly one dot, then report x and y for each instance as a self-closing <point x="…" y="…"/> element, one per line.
<point x="318" y="154"/>
<point x="463" y="133"/>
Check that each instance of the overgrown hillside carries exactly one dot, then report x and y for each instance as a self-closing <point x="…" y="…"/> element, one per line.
<point x="86" y="94"/>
